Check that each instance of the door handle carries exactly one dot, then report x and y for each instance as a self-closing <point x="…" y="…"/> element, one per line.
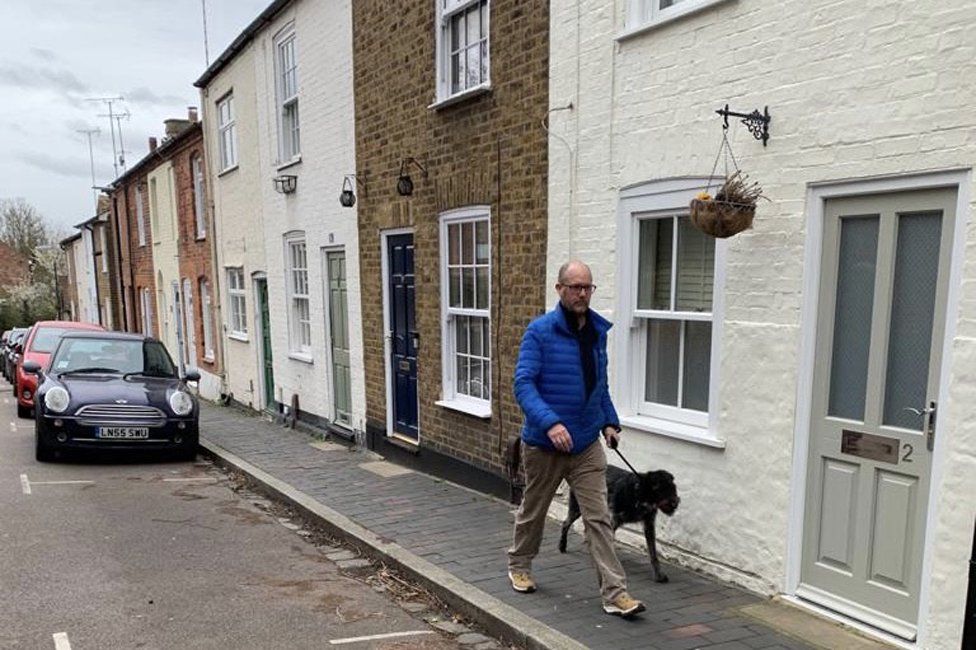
<point x="928" y="422"/>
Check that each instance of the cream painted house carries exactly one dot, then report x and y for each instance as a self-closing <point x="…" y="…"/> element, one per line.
<point x="231" y="142"/>
<point x="809" y="382"/>
<point x="307" y="131"/>
<point x="161" y="185"/>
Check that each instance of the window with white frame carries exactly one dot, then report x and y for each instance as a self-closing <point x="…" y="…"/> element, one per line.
<point x="299" y="307"/>
<point x="227" y="132"/>
<point x="147" y="312"/>
<point x="140" y="217"/>
<point x="644" y="12"/>
<point x="466" y="307"/>
<point x="153" y="211"/>
<point x="206" y="317"/>
<point x="665" y="379"/>
<point x="463" y="53"/>
<point x="237" y="302"/>
<point x="104" y="246"/>
<point x="196" y="171"/>
<point x="286" y="68"/>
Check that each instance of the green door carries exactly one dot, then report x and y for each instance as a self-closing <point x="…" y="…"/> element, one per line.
<point x="339" y="332"/>
<point x="266" y="359"/>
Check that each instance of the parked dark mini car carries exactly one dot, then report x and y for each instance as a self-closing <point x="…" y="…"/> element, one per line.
<point x="109" y="390"/>
<point x="9" y="354"/>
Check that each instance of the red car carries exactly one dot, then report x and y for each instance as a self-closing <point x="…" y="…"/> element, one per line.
<point x="38" y="346"/>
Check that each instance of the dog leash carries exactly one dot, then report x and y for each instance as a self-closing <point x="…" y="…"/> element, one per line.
<point x="614" y="447"/>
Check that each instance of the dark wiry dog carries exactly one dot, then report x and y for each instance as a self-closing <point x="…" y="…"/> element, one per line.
<point x="632" y="498"/>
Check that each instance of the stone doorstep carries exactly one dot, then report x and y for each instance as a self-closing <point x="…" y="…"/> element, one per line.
<point x="496" y="617"/>
<point x="800" y="624"/>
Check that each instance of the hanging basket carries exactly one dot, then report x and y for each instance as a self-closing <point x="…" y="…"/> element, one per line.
<point x="733" y="207"/>
<point x="721" y="218"/>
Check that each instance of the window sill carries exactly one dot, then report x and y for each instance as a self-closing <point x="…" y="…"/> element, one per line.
<point x="301" y="356"/>
<point x="482" y="411"/>
<point x="209" y="358"/>
<point x="470" y="93"/>
<point x="636" y="30"/>
<point x="289" y="163"/>
<point x="676" y="430"/>
<point x="238" y="336"/>
<point x="201" y="238"/>
<point x="223" y="172"/>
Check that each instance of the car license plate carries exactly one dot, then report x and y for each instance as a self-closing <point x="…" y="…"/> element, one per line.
<point x="123" y="433"/>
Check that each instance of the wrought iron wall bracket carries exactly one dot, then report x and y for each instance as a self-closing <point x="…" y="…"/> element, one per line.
<point x="756" y="122"/>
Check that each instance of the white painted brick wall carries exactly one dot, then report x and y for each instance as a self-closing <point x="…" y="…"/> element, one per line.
<point x="238" y="214"/>
<point x="855" y="90"/>
<point x="323" y="31"/>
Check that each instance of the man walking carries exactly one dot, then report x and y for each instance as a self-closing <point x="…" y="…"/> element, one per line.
<point x="561" y="385"/>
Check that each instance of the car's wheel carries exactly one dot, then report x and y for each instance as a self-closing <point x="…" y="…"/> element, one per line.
<point x="42" y="452"/>
<point x="25" y="412"/>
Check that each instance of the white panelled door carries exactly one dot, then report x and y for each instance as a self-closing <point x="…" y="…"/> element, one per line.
<point x="880" y="329"/>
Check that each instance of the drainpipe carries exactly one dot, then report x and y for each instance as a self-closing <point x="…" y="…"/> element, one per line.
<point x="969" y="626"/>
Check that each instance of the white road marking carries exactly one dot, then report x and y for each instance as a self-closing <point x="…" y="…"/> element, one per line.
<point x="373" y="637"/>
<point x="25" y="484"/>
<point x="13" y="427"/>
<point x="61" y="641"/>
<point x="59" y="482"/>
<point x="201" y="479"/>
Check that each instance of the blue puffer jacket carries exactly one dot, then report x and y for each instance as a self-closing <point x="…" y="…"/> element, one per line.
<point x="549" y="383"/>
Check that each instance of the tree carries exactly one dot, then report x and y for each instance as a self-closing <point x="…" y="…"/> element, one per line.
<point x="22" y="226"/>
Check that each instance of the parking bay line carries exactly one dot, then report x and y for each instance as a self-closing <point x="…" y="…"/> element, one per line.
<point x="26" y="484"/>
<point x="199" y="479"/>
<point x="374" y="637"/>
<point x="61" y="641"/>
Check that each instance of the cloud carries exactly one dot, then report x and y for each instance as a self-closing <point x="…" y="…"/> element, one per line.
<point x="74" y="167"/>
<point x="146" y="97"/>
<point x="44" y="54"/>
<point x="42" y="78"/>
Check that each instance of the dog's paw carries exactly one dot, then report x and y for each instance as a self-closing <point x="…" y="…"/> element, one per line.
<point x="662" y="578"/>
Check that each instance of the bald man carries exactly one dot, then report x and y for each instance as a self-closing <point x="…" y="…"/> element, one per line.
<point x="561" y="385"/>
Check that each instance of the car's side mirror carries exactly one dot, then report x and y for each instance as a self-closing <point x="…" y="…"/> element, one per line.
<point x="191" y="375"/>
<point x="32" y="367"/>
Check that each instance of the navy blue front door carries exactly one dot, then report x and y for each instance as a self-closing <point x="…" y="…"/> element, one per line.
<point x="403" y="335"/>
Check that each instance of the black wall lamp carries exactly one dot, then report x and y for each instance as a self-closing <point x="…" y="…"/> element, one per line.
<point x="756" y="122"/>
<point x="347" y="197"/>
<point x="285" y="184"/>
<point x="404" y="185"/>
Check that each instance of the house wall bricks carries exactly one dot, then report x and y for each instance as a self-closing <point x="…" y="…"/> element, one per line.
<point x="854" y="92"/>
<point x="13" y="267"/>
<point x="135" y="258"/>
<point x="489" y="149"/>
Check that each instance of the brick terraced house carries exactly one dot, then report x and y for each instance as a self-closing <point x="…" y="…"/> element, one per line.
<point x="450" y="100"/>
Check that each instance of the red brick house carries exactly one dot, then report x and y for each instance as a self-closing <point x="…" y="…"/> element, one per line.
<point x="13" y="267"/>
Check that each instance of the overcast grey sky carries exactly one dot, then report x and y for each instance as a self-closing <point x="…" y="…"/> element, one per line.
<point x="56" y="54"/>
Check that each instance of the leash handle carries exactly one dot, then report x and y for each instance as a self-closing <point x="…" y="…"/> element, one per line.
<point x="625" y="460"/>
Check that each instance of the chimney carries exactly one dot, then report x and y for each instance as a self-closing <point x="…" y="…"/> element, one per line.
<point x="152" y="144"/>
<point x="191" y="114"/>
<point x="174" y="127"/>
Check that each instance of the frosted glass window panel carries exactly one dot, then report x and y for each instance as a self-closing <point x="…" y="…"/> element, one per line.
<point x="695" y="269"/>
<point x="697" y="365"/>
<point x="663" y="357"/>
<point x="856" y="266"/>
<point x="654" y="271"/>
<point x="912" y="315"/>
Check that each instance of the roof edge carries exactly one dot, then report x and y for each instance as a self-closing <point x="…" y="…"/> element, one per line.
<point x="242" y="39"/>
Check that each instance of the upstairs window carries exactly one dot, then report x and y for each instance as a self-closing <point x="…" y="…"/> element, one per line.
<point x="199" y="212"/>
<point x="286" y="68"/>
<point x="650" y="12"/>
<point x="227" y="132"/>
<point x="463" y="59"/>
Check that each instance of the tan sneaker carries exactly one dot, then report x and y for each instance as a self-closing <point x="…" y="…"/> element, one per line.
<point x="624" y="605"/>
<point x="522" y="581"/>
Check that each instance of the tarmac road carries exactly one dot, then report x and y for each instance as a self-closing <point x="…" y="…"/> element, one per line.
<point x="99" y="555"/>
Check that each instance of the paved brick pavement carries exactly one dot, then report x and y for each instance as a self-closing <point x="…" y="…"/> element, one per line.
<point x="467" y="533"/>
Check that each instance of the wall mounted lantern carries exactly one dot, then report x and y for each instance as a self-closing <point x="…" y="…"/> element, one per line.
<point x="285" y="184"/>
<point x="404" y="184"/>
<point x="347" y="197"/>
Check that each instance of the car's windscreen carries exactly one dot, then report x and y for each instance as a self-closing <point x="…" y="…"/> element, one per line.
<point x="115" y="356"/>
<point x="46" y="339"/>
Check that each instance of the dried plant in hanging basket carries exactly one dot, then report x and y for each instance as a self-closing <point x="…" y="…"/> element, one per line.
<point x="731" y="210"/>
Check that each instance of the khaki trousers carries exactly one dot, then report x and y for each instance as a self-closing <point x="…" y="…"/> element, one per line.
<point x="586" y="474"/>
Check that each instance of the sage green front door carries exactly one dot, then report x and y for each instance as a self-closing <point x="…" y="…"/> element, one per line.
<point x="267" y="365"/>
<point x="881" y="320"/>
<point x="339" y="334"/>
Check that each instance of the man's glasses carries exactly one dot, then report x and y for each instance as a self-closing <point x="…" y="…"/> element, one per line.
<point x="580" y="288"/>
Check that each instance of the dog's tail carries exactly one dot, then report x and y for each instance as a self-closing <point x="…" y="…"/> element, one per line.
<point x="513" y="464"/>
